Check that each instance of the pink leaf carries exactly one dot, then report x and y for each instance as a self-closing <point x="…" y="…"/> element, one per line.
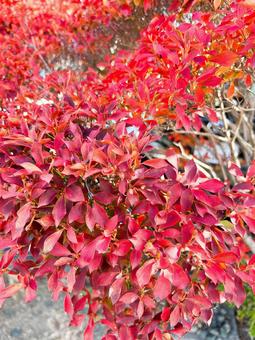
<point x="235" y="170"/>
<point x="162" y="288"/>
<point x="186" y="200"/>
<point x="59" y="210"/>
<point x="68" y="305"/>
<point x="135" y="258"/>
<point x="71" y="235"/>
<point x="140" y="309"/>
<point x="250" y="222"/>
<point x="60" y="250"/>
<point x="144" y="273"/>
<point x="46" y="198"/>
<point x="9" y="291"/>
<point x="115" y="290"/>
<point x="23" y="214"/>
<point x="70" y="277"/>
<point x="175" y="316"/>
<point x="179" y="277"/>
<point x="90" y="218"/>
<point x="51" y="240"/>
<point x="156" y="163"/>
<point x="31" y="168"/>
<point x="74" y="193"/>
<point x="251" y="170"/>
<point x="80" y="304"/>
<point x="106" y="278"/>
<point x="212" y="185"/>
<point x="76" y="213"/>
<point x="89" y="331"/>
<point x="129" y="298"/>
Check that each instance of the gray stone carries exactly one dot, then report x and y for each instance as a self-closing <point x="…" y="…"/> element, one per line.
<point x="16" y="332"/>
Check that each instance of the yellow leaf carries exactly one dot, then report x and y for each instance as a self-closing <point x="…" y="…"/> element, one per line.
<point x="137" y="2"/>
<point x="227" y="224"/>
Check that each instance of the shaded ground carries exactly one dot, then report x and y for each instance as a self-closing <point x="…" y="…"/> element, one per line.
<point x="43" y="319"/>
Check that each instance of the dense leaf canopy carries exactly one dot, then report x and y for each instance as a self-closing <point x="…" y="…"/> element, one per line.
<point x="148" y="244"/>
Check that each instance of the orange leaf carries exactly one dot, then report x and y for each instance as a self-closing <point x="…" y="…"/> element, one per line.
<point x="231" y="90"/>
<point x="217" y="4"/>
<point x="249" y="3"/>
<point x="137" y="2"/>
<point x="226" y="58"/>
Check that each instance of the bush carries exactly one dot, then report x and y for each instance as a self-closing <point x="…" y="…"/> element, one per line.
<point x="148" y="244"/>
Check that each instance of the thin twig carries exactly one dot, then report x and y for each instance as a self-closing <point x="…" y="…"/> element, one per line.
<point x="201" y="165"/>
<point x="226" y="126"/>
<point x="33" y="43"/>
<point x="205" y="134"/>
<point x="218" y="156"/>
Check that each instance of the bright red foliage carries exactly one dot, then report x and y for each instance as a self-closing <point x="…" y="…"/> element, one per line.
<point x="148" y="248"/>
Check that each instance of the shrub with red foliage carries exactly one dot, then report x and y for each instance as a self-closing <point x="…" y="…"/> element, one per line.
<point x="147" y="246"/>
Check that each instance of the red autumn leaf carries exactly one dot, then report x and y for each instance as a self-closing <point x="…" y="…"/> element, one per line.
<point x="9" y="291"/>
<point x="111" y="224"/>
<point x="250" y="222"/>
<point x="162" y="288"/>
<point x="251" y="170"/>
<point x="186" y="200"/>
<point x="76" y="213"/>
<point x="89" y="331"/>
<point x="30" y="291"/>
<point x="59" y="210"/>
<point x="51" y="240"/>
<point x="226" y="257"/>
<point x="105" y="279"/>
<point x="209" y="80"/>
<point x="115" y="290"/>
<point x="226" y="58"/>
<point x="46" y="198"/>
<point x="201" y="301"/>
<point x="71" y="235"/>
<point x="74" y="193"/>
<point x="212" y="185"/>
<point x="231" y="90"/>
<point x="129" y="298"/>
<point x="179" y="277"/>
<point x="156" y="163"/>
<point x="31" y="168"/>
<point x="99" y="156"/>
<point x="165" y="314"/>
<point x="62" y="261"/>
<point x="175" y="316"/>
<point x="135" y="258"/>
<point x="60" y="250"/>
<point x="68" y="305"/>
<point x="140" y="309"/>
<point x="144" y="273"/>
<point x="235" y="170"/>
<point x="23" y="216"/>
<point x="187" y="232"/>
<point x="70" y="277"/>
<point x="80" y="304"/>
<point x="122" y="248"/>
